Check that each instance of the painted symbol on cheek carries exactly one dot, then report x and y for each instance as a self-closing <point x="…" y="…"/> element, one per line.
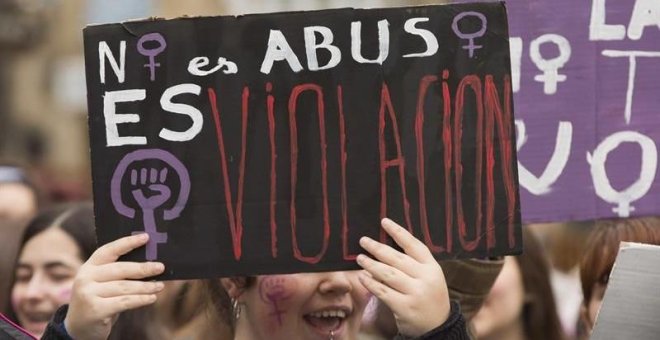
<point x="274" y="290"/>
<point x="150" y="191"/>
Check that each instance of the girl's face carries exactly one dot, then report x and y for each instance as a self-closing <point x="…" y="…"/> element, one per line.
<point x="504" y="304"/>
<point x="44" y="276"/>
<point x="302" y="306"/>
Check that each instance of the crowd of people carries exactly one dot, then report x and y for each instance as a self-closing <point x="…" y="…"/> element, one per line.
<point x="62" y="285"/>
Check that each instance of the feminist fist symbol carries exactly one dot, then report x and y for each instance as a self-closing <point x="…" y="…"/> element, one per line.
<point x="273" y="291"/>
<point x="150" y="192"/>
<point x="163" y="192"/>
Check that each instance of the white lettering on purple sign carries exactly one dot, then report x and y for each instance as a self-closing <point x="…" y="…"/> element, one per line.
<point x="632" y="71"/>
<point x="543" y="184"/>
<point x="550" y="67"/>
<point x="645" y="13"/>
<point x="635" y="191"/>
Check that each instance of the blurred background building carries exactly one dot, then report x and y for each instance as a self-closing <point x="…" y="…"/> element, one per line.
<point x="43" y="108"/>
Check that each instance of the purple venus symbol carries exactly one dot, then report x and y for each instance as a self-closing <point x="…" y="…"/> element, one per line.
<point x="149" y="190"/>
<point x="470" y="36"/>
<point x="153" y="52"/>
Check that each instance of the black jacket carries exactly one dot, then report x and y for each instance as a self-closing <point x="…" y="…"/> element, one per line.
<point x="453" y="329"/>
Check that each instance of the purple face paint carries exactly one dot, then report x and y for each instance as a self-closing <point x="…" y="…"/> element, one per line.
<point x="64" y="295"/>
<point x="155" y="185"/>
<point x="274" y="290"/>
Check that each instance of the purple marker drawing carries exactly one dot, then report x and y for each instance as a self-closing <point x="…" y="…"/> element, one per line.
<point x="273" y="291"/>
<point x="152" y="179"/>
<point x="152" y="53"/>
<point x="470" y="36"/>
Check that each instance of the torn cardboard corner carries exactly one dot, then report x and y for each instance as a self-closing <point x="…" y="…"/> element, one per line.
<point x="631" y="306"/>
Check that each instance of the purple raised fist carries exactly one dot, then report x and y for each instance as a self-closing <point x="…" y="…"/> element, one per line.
<point x="151" y="182"/>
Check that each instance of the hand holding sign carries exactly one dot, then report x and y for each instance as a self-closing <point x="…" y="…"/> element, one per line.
<point x="103" y="288"/>
<point x="406" y="282"/>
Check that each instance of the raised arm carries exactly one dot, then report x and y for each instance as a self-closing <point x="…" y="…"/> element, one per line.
<point x="103" y="288"/>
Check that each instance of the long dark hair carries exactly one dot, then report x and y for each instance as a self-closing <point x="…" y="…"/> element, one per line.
<point x="603" y="246"/>
<point x="219" y="302"/>
<point x="540" y="319"/>
<point x="76" y="220"/>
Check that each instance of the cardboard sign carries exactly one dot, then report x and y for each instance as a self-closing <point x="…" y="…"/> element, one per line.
<point x="631" y="304"/>
<point x="585" y="81"/>
<point x="271" y="143"/>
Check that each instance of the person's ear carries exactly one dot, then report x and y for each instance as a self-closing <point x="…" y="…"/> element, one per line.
<point x="235" y="286"/>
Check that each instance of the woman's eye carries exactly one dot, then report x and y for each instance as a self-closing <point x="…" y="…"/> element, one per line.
<point x="23" y="277"/>
<point x="59" y="277"/>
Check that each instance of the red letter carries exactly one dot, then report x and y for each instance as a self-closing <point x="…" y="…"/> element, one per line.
<point x="270" y="102"/>
<point x="236" y="225"/>
<point x="293" y="100"/>
<point x="474" y="82"/>
<point x="424" y="84"/>
<point x="386" y="103"/>
<point x="493" y="109"/>
<point x="447" y="143"/>
<point x="344" y="198"/>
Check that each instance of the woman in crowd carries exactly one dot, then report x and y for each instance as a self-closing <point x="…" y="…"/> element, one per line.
<point x="53" y="248"/>
<point x="19" y="197"/>
<point x="520" y="305"/>
<point x="295" y="306"/>
<point x="600" y="254"/>
<point x="19" y="200"/>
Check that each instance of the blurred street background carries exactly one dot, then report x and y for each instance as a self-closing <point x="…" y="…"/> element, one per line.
<point x="43" y="107"/>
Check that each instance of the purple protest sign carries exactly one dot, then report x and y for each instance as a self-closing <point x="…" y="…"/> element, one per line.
<point x="586" y="96"/>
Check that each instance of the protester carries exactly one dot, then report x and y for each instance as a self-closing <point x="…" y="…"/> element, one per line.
<point x="10" y="234"/>
<point x="294" y="306"/>
<point x="520" y="305"/>
<point x="53" y="247"/>
<point x="19" y="198"/>
<point x="18" y="203"/>
<point x="601" y="251"/>
<point x="468" y="280"/>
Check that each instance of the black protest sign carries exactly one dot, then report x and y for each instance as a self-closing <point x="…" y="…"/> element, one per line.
<point x="271" y="143"/>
